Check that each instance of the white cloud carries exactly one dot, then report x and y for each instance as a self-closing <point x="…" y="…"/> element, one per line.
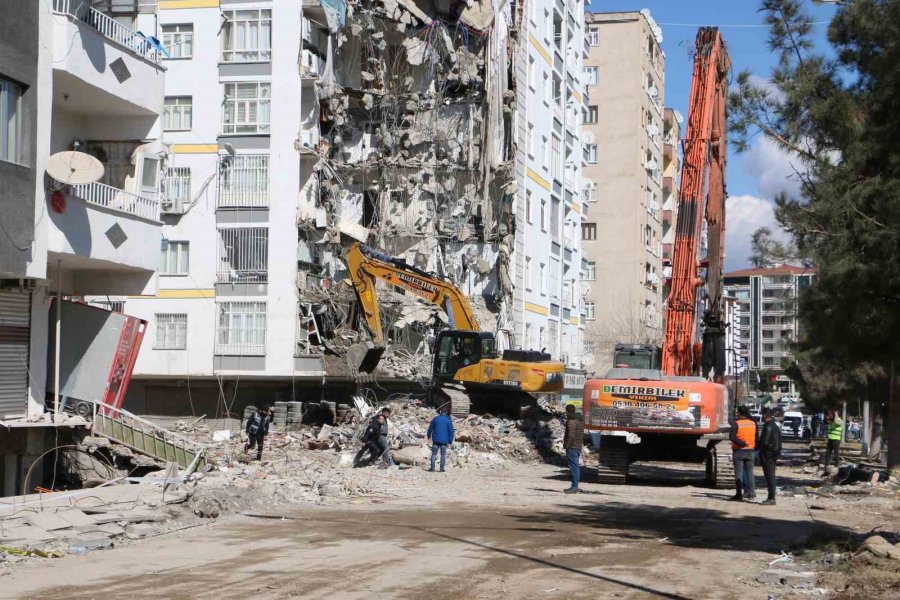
<point x="743" y="216"/>
<point x="774" y="169"/>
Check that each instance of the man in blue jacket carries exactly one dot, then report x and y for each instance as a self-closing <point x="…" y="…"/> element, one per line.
<point x="440" y="432"/>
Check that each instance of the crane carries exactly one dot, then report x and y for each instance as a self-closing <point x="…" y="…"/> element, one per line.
<point x="466" y="364"/>
<point x="665" y="397"/>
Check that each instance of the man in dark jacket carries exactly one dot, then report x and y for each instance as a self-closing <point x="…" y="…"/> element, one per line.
<point x="440" y="432"/>
<point x="370" y="442"/>
<point x="573" y="442"/>
<point x="257" y="428"/>
<point x="769" y="446"/>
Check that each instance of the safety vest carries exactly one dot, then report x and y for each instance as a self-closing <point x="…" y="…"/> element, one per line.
<point x="835" y="431"/>
<point x="746" y="432"/>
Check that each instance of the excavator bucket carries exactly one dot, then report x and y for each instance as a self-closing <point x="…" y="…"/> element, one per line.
<point x="364" y="356"/>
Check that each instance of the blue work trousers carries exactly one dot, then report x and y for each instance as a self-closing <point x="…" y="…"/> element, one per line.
<point x="574" y="457"/>
<point x="434" y="451"/>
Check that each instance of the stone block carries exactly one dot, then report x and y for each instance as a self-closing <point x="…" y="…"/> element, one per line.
<point x="804" y="579"/>
<point x="772" y="576"/>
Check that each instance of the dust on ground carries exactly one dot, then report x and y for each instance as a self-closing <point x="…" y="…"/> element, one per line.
<point x="486" y="533"/>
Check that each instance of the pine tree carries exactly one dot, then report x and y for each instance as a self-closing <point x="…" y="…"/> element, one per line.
<point x="840" y="116"/>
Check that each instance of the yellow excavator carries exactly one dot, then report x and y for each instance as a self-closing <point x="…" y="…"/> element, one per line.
<point x="467" y="367"/>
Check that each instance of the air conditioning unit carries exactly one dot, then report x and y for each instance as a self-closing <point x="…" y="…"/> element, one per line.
<point x="309" y="138"/>
<point x="651" y="165"/>
<point x="171" y="206"/>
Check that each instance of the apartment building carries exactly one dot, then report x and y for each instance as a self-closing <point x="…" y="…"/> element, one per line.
<point x="73" y="76"/>
<point x="449" y="137"/>
<point x="671" y="184"/>
<point x="622" y="238"/>
<point x="765" y="318"/>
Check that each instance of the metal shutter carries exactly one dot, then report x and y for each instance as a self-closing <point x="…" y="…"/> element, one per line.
<point x="15" y="327"/>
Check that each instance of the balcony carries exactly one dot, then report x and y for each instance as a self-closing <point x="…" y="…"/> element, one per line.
<point x="101" y="67"/>
<point x="104" y="239"/>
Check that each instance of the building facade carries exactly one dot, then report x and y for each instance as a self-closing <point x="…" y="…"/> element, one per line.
<point x="672" y="120"/>
<point x="765" y="319"/>
<point x="449" y="139"/>
<point x="622" y="238"/>
<point x="73" y="76"/>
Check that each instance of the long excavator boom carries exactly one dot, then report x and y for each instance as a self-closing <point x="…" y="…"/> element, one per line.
<point x="367" y="264"/>
<point x="702" y="200"/>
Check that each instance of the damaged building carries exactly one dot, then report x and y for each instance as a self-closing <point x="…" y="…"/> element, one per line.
<point x="443" y="133"/>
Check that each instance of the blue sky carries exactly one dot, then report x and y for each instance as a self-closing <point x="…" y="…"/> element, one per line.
<point x="755" y="177"/>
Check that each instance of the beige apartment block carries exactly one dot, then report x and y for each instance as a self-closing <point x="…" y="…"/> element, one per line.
<point x="623" y="147"/>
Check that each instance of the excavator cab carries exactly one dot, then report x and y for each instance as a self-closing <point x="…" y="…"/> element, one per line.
<point x="454" y="350"/>
<point x="637" y="356"/>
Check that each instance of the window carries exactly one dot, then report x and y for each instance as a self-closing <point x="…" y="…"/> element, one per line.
<point x="590" y="153"/>
<point x="246" y="108"/>
<point x="590" y="311"/>
<point x="590" y="271"/>
<point x="528" y="274"/>
<point x="591" y="75"/>
<point x="593" y="114"/>
<point x="590" y="192"/>
<point x="528" y="206"/>
<point x="593" y="36"/>
<point x="175" y="258"/>
<point x="243" y="254"/>
<point x="589" y="231"/>
<point x="543" y="215"/>
<point x="548" y="90"/>
<point x="557" y="90"/>
<point x="556" y="158"/>
<point x="532" y="73"/>
<point x="171" y="331"/>
<point x="542" y="273"/>
<point x="532" y="152"/>
<point x="528" y="341"/>
<point x="545" y="144"/>
<point x="243" y="180"/>
<point x="241" y="328"/>
<point x="10" y="120"/>
<point x="177" y="113"/>
<point x="247" y="36"/>
<point x="150" y="173"/>
<point x="178" y="188"/>
<point x="178" y="40"/>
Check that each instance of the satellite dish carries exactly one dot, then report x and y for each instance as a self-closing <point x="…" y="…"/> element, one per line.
<point x="74" y="168"/>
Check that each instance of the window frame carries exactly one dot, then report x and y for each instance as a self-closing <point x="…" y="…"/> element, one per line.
<point x="590" y="271"/>
<point x="182" y="258"/>
<point x="251" y="264"/>
<point x="173" y="339"/>
<point x="589" y="227"/>
<point x="183" y="109"/>
<point x="594" y="78"/>
<point x="247" y="127"/>
<point x="180" y="37"/>
<point x="593" y="114"/>
<point x="11" y="93"/>
<point x="230" y="26"/>
<point x="590" y="311"/>
<point x="593" y="36"/>
<point x="233" y="341"/>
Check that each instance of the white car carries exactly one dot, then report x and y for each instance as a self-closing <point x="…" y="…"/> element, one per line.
<point x="793" y="425"/>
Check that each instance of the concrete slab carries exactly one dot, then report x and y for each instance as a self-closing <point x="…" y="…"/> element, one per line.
<point x="47" y="521"/>
<point x="76" y="518"/>
<point x="26" y="534"/>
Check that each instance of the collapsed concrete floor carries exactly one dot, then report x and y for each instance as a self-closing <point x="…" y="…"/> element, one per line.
<point x="502" y="532"/>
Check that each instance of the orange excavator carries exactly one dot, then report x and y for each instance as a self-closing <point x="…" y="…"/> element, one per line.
<point x="680" y="410"/>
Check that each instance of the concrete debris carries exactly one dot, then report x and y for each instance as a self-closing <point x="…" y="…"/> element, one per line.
<point x="801" y="579"/>
<point x="879" y="546"/>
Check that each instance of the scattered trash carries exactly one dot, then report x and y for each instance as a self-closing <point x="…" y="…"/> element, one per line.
<point x="784" y="558"/>
<point x="222" y="435"/>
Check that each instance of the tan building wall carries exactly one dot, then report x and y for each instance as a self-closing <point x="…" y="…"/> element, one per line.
<point x="627" y="175"/>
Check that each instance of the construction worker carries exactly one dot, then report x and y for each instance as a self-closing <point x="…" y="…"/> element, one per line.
<point x="769" y="449"/>
<point x="384" y="436"/>
<point x="440" y="432"/>
<point x="573" y="442"/>
<point x="835" y="435"/>
<point x="370" y="442"/>
<point x="743" y="446"/>
<point x="257" y="428"/>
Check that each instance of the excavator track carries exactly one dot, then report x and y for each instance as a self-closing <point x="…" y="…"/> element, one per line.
<point x="454" y="395"/>
<point x="720" y="466"/>
<point x="613" y="463"/>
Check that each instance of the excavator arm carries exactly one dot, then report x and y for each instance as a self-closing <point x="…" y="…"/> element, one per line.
<point x="702" y="200"/>
<point x="366" y="265"/>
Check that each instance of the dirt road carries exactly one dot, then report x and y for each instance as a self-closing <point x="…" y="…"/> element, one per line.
<point x="519" y="537"/>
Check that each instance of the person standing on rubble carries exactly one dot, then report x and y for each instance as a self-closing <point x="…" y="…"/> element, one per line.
<point x="835" y="435"/>
<point x="743" y="446"/>
<point x="769" y="445"/>
<point x="573" y="442"/>
<point x="370" y="442"/>
<point x="257" y="428"/>
<point x="440" y="432"/>
<point x="384" y="435"/>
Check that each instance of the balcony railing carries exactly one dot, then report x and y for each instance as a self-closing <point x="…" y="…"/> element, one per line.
<point x="108" y="27"/>
<point x="244" y="181"/>
<point x="107" y="196"/>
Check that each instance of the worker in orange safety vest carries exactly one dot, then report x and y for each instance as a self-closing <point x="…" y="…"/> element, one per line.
<point x="743" y="446"/>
